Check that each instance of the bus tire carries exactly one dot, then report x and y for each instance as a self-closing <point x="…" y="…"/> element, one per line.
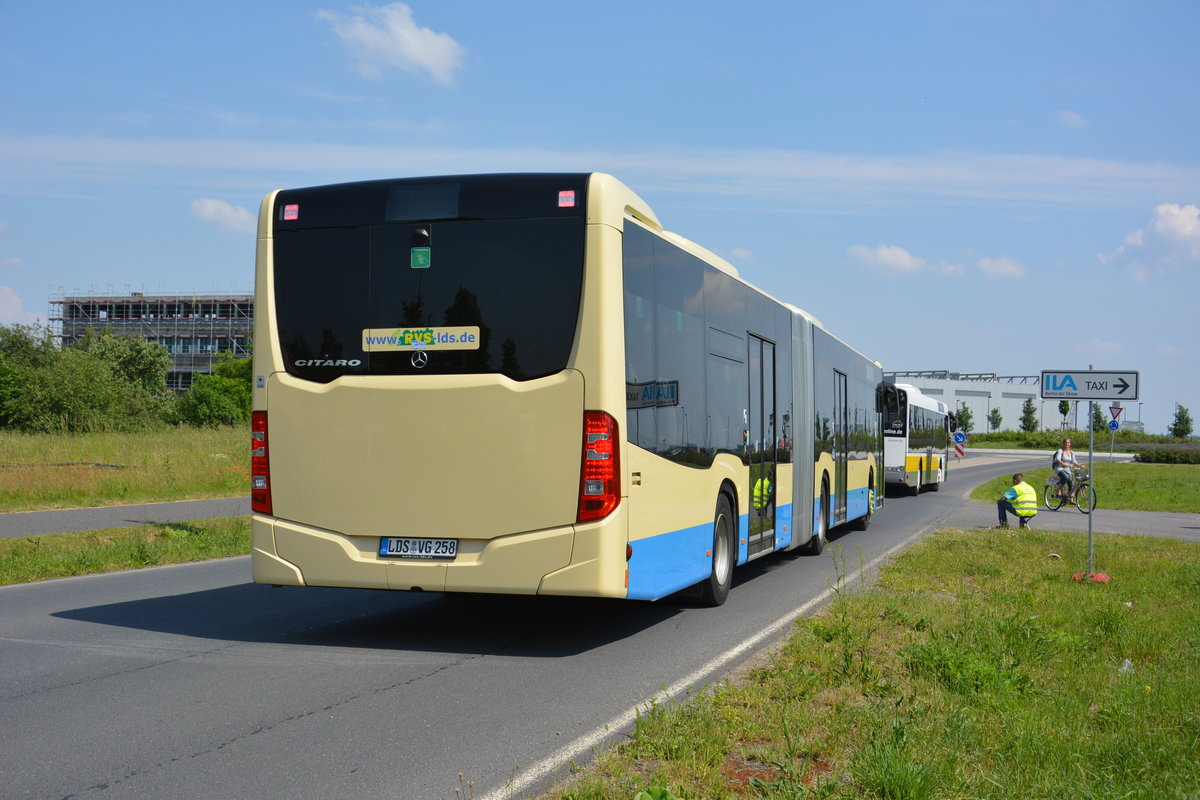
<point x="864" y="522"/>
<point x="714" y="590"/>
<point x="821" y="536"/>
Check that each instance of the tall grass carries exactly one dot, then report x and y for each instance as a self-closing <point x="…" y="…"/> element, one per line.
<point x="59" y="555"/>
<point x="975" y="667"/>
<point x="71" y="470"/>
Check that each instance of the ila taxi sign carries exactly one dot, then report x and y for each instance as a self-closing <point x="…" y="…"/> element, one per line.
<point x="1089" y="384"/>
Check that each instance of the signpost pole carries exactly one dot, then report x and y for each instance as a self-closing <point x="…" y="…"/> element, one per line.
<point x="1091" y="386"/>
<point x="1092" y="477"/>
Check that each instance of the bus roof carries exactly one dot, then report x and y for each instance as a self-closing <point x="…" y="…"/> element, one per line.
<point x="917" y="398"/>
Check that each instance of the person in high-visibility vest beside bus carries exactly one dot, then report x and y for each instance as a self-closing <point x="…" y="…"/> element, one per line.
<point x="762" y="493"/>
<point x="1021" y="500"/>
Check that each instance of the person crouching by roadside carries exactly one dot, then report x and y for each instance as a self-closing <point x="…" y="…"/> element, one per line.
<point x="1020" y="500"/>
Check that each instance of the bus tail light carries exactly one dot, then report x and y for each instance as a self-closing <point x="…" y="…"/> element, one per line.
<point x="600" y="472"/>
<point x="260" y="464"/>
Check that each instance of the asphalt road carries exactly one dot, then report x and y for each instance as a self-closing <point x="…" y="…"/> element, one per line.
<point x="191" y="682"/>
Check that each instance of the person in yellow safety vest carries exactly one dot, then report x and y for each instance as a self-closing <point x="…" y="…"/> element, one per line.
<point x="1021" y="500"/>
<point x="762" y="493"/>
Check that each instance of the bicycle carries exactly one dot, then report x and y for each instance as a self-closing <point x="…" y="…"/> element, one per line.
<point x="1082" y="485"/>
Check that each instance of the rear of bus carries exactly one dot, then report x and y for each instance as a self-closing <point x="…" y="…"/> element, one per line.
<point x="435" y="396"/>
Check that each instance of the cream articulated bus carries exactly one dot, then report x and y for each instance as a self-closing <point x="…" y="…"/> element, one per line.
<point x="523" y="384"/>
<point x="916" y="439"/>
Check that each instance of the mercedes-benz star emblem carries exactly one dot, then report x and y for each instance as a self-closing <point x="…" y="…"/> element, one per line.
<point x="420" y="359"/>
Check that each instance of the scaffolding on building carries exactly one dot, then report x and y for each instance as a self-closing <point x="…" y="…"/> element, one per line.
<point x="196" y="329"/>
<point x="947" y="375"/>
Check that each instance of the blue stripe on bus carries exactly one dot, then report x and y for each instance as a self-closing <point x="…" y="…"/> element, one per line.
<point x="743" y="540"/>
<point x="669" y="562"/>
<point x="858" y="503"/>
<point x="783" y="526"/>
<point x="672" y="561"/>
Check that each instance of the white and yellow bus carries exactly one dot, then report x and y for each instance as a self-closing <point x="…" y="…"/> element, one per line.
<point x="916" y="439"/>
<point x="523" y="384"/>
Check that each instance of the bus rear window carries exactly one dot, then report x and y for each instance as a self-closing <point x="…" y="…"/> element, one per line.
<point x="446" y="297"/>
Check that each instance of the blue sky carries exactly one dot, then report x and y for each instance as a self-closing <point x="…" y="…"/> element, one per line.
<point x="974" y="186"/>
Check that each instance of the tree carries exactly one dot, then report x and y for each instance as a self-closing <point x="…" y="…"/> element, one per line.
<point x="103" y="383"/>
<point x="1029" y="420"/>
<point x="74" y="393"/>
<point x="965" y="419"/>
<point x="994" y="419"/>
<point x="211" y="402"/>
<point x="26" y="345"/>
<point x="1181" y="428"/>
<point x="136" y="361"/>
<point x="1064" y="408"/>
<point x="1099" y="423"/>
<point x="222" y="398"/>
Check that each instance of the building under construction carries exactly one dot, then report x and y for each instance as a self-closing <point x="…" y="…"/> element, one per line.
<point x="194" y="328"/>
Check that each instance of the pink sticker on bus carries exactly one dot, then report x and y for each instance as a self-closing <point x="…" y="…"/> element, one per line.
<point x="566" y="199"/>
<point x="291" y="212"/>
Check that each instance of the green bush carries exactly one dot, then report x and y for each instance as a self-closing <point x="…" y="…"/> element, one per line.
<point x="1169" y="456"/>
<point x="1052" y="440"/>
<point x="76" y="392"/>
<point x="212" y="401"/>
<point x="105" y="383"/>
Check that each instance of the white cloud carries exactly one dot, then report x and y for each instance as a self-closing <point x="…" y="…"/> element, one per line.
<point x="1072" y="119"/>
<point x="741" y="254"/>
<point x="1002" y="268"/>
<point x="1169" y="243"/>
<point x="3" y="226"/>
<point x="386" y="37"/>
<point x="888" y="258"/>
<point x="1102" y="347"/>
<point x="13" y="261"/>
<point x="12" y="310"/>
<point x="233" y="218"/>
<point x="1170" y="350"/>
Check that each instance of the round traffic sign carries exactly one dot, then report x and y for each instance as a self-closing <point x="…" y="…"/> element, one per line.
<point x="1112" y="426"/>
<point x="960" y="438"/>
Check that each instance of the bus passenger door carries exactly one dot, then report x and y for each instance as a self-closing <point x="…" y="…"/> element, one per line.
<point x="762" y="447"/>
<point x="841" y="446"/>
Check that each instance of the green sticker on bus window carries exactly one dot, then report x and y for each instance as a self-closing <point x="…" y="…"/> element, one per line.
<point x="420" y="257"/>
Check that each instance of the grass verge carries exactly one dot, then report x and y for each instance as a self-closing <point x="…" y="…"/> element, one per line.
<point x="41" y="471"/>
<point x="1129" y="487"/>
<point x="973" y="667"/>
<point x="59" y="555"/>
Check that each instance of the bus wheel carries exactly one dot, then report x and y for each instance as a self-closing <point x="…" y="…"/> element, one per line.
<point x="933" y="487"/>
<point x="714" y="590"/>
<point x="864" y="522"/>
<point x="821" y="536"/>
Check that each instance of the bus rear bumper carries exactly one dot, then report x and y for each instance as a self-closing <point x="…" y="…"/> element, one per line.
<point x="559" y="561"/>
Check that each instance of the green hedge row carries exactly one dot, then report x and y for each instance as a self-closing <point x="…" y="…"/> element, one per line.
<point x="1051" y="440"/>
<point x="1165" y="456"/>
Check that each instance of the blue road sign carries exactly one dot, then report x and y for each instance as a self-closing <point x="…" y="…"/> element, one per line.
<point x="1112" y="426"/>
<point x="960" y="438"/>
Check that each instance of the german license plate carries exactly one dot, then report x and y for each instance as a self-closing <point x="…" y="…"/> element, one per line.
<point x="412" y="547"/>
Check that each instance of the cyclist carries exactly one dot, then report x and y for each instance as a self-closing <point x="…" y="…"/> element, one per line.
<point x="1064" y="459"/>
<point x="1021" y="500"/>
